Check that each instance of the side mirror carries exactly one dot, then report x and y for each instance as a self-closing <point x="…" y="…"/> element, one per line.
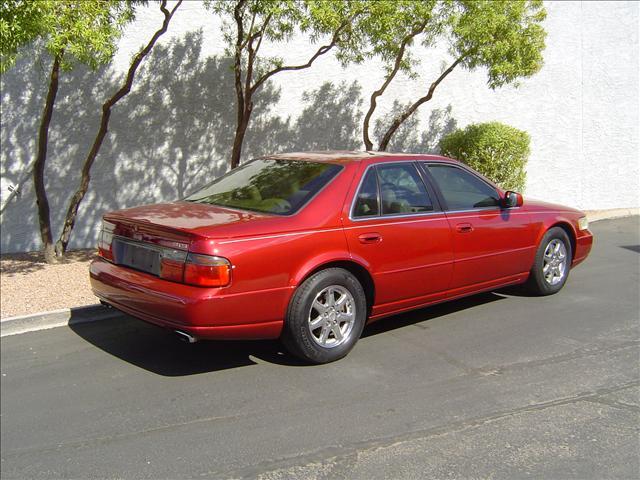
<point x="512" y="199"/>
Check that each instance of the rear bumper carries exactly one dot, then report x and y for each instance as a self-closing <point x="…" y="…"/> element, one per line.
<point x="211" y="313"/>
<point x="584" y="242"/>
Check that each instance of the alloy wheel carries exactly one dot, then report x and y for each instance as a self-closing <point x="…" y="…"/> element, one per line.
<point x="554" y="267"/>
<point x="332" y="316"/>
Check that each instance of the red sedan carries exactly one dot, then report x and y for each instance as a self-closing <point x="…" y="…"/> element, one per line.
<point x="309" y="247"/>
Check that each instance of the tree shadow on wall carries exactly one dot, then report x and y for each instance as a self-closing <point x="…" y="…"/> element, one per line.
<point x="170" y="135"/>
<point x="410" y="137"/>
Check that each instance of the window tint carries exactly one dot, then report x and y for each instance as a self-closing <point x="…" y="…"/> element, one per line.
<point x="267" y="185"/>
<point x="461" y="189"/>
<point x="402" y="189"/>
<point x="367" y="198"/>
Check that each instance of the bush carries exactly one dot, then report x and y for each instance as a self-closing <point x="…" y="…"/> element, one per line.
<point x="496" y="150"/>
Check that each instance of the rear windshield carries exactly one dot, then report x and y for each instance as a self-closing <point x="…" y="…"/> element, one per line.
<point x="281" y="187"/>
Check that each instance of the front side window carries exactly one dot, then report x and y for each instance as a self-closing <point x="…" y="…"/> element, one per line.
<point x="269" y="186"/>
<point x="402" y="190"/>
<point x="462" y="190"/>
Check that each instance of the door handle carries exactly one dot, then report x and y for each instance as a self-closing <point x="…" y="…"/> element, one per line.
<point x="372" y="237"/>
<point x="464" y="228"/>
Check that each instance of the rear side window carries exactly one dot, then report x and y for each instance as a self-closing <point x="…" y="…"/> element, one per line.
<point x="367" y="198"/>
<point x="391" y="190"/>
<point x="402" y="190"/>
<point x="266" y="185"/>
<point x="462" y="190"/>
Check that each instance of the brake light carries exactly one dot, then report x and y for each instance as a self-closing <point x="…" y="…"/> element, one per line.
<point x="207" y="271"/>
<point x="105" y="238"/>
<point x="172" y="264"/>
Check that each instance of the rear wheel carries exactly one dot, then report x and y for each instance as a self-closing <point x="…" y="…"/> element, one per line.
<point x="552" y="263"/>
<point x="326" y="316"/>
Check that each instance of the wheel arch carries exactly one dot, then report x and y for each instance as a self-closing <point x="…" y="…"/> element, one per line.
<point x="353" y="267"/>
<point x="566" y="226"/>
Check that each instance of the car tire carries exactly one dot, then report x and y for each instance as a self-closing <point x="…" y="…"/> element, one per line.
<point x="552" y="263"/>
<point x="325" y="317"/>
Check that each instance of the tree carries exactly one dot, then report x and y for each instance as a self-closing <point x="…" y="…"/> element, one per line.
<point x="73" y="32"/>
<point x="85" y="177"/>
<point x="504" y="37"/>
<point x="249" y="23"/>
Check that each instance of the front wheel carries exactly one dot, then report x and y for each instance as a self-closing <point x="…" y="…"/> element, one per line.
<point x="552" y="263"/>
<point x="325" y="317"/>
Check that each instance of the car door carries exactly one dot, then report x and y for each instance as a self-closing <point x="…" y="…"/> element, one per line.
<point x="491" y="244"/>
<point x="395" y="227"/>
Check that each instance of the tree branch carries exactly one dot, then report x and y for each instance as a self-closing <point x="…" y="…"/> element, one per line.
<point x="399" y="120"/>
<point x="252" y="53"/>
<point x="78" y="196"/>
<point x="377" y="93"/>
<point x="250" y="34"/>
<point x="321" y="51"/>
<point x="260" y="34"/>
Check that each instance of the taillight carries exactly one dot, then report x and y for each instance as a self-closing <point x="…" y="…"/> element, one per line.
<point x="105" y="239"/>
<point x="172" y="264"/>
<point x="207" y="270"/>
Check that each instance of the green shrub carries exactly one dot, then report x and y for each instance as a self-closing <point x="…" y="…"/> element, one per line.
<point x="496" y="150"/>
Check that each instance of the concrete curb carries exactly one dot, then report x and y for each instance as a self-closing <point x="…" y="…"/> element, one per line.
<point x="597" y="215"/>
<point x="94" y="313"/>
<point x="57" y="318"/>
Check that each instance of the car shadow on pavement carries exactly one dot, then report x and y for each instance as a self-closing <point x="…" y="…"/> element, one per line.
<point x="159" y="351"/>
<point x="416" y="317"/>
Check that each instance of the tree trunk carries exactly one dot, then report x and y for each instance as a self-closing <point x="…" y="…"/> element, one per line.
<point x="368" y="144"/>
<point x="39" y="164"/>
<point x="78" y="196"/>
<point x="74" y="204"/>
<point x="241" y="130"/>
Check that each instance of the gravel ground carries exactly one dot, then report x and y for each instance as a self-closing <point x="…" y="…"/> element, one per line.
<point x="29" y="285"/>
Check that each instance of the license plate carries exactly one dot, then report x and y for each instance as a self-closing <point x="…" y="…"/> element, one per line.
<point x="137" y="256"/>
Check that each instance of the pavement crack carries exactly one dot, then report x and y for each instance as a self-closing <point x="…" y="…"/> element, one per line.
<point x="578" y="353"/>
<point x="336" y="455"/>
<point x="614" y="404"/>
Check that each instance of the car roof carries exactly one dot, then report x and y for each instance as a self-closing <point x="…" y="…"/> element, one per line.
<point x="346" y="156"/>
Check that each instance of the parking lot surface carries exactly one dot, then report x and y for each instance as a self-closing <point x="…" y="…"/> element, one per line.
<point x="498" y="385"/>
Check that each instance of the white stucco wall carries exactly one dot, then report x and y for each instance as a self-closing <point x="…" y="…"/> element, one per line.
<point x="581" y="110"/>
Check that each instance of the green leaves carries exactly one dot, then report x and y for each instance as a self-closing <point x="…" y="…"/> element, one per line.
<point x="20" y="23"/>
<point x="496" y="150"/>
<point x="506" y="37"/>
<point x="84" y="31"/>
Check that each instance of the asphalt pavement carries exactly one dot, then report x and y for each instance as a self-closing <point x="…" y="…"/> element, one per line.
<point x="498" y="385"/>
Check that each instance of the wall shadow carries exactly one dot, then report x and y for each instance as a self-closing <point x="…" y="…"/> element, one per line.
<point x="161" y="352"/>
<point x="411" y="137"/>
<point x="170" y="135"/>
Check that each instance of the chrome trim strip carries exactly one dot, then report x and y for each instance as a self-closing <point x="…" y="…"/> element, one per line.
<point x="479" y="209"/>
<point x="139" y="243"/>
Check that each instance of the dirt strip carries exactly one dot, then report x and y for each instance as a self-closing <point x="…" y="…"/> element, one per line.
<point x="28" y="285"/>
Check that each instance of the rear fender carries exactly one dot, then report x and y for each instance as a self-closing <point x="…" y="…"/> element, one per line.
<point x="316" y="262"/>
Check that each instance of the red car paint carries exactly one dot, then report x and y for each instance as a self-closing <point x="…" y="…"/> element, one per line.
<point x="407" y="261"/>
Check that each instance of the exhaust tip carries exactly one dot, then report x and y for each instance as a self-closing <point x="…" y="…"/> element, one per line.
<point x="185" y="337"/>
